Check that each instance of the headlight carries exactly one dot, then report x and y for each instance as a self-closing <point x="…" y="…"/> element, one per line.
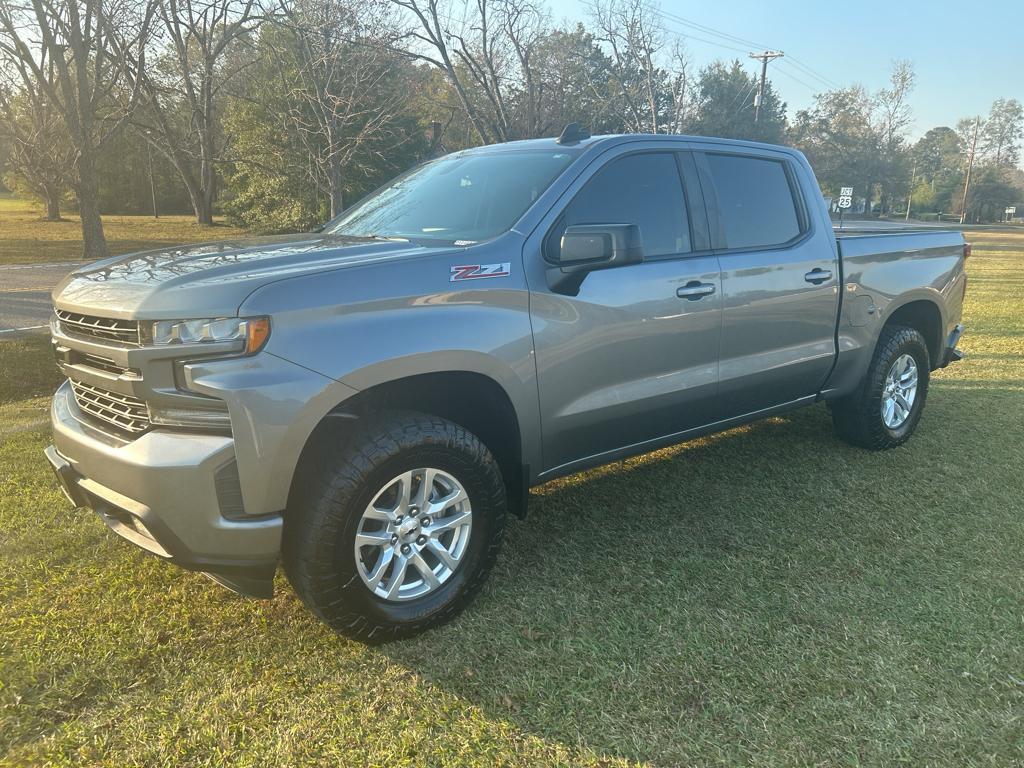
<point x="253" y="331"/>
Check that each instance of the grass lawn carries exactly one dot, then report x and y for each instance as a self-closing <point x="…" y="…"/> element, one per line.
<point x="769" y="596"/>
<point x="26" y="238"/>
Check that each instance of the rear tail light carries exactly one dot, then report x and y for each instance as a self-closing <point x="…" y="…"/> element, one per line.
<point x="967" y="251"/>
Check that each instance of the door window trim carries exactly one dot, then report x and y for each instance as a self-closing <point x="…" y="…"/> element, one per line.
<point x="719" y="242"/>
<point x="674" y="152"/>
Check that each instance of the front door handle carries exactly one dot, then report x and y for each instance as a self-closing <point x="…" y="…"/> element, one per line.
<point x="695" y="289"/>
<point x="818" y="275"/>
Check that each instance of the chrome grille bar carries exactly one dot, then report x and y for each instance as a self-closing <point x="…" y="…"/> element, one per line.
<point x="124" y="332"/>
<point x="123" y="411"/>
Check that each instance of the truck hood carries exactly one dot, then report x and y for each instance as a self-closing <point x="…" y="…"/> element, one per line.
<point x="213" y="279"/>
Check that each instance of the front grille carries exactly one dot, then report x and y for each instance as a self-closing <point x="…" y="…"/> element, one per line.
<point x="123" y="411"/>
<point x="107" y="329"/>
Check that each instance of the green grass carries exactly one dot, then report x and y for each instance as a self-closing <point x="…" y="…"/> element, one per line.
<point x="26" y="238"/>
<point x="769" y="596"/>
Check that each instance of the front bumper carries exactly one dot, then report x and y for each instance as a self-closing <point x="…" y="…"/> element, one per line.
<point x="160" y="493"/>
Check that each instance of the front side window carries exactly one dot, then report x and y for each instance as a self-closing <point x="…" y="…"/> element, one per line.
<point x="642" y="189"/>
<point x="464" y="198"/>
<point x="755" y="201"/>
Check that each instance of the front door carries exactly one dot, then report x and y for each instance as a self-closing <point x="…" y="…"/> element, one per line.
<point x="634" y="355"/>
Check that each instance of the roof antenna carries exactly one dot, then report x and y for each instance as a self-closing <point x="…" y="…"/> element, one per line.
<point x="572" y="133"/>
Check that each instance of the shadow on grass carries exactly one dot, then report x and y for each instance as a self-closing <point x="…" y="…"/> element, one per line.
<point x="758" y="585"/>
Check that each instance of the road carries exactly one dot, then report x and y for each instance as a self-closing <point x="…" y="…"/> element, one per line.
<point x="25" y="296"/>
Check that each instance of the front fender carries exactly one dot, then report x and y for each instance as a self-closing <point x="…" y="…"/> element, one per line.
<point x="367" y="327"/>
<point x="274" y="406"/>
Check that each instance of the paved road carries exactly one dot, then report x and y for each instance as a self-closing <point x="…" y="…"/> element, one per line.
<point x="888" y="225"/>
<point x="25" y="296"/>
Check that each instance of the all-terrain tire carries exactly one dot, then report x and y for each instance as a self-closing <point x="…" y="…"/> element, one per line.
<point x="335" y="487"/>
<point x="858" y="417"/>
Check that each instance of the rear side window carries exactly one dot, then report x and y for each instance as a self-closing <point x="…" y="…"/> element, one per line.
<point x="643" y="189"/>
<point x="755" y="201"/>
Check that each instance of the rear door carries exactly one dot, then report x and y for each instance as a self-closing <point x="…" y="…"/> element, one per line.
<point x="780" y="279"/>
<point x="632" y="356"/>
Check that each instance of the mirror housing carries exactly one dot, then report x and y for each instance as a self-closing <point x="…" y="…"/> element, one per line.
<point x="588" y="247"/>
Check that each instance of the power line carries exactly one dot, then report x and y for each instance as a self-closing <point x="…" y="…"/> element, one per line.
<point x="743" y="102"/>
<point x="791" y="76"/>
<point x="688" y="36"/>
<point x="813" y="73"/>
<point x="708" y="29"/>
<point x="798" y="64"/>
<point x="666" y="17"/>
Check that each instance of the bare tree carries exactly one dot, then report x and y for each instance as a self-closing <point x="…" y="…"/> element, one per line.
<point x="682" y="102"/>
<point x="485" y="48"/>
<point x="893" y="105"/>
<point x="182" y="94"/>
<point x="1000" y="138"/>
<point x="634" y="34"/>
<point x="893" y="118"/>
<point x="40" y="153"/>
<point x="338" y="70"/>
<point x="524" y="25"/>
<point x="92" y="46"/>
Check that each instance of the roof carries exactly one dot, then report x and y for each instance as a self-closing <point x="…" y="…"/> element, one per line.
<point x="552" y="143"/>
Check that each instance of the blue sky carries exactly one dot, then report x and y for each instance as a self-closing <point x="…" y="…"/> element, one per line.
<point x="966" y="54"/>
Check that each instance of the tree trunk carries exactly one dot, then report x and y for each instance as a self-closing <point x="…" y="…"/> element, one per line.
<point x="201" y="198"/>
<point x="93" y="241"/>
<point x="203" y="204"/>
<point x="337" y="196"/>
<point x="204" y="214"/>
<point x="52" y="197"/>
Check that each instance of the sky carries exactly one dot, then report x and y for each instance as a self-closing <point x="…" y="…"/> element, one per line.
<point x="965" y="54"/>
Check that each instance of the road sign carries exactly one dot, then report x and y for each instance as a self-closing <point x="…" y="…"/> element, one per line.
<point x="845" y="197"/>
<point x="1011" y="209"/>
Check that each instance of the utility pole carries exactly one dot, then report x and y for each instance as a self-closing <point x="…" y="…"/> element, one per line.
<point x="970" y="167"/>
<point x="152" y="181"/>
<point x="764" y="57"/>
<point x="910" y="197"/>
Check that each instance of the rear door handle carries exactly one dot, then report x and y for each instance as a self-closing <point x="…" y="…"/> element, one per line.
<point x="818" y="275"/>
<point x="694" y="290"/>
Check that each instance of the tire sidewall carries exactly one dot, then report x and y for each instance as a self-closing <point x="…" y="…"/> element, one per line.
<point x="905" y="341"/>
<point x="354" y="590"/>
<point x="320" y="540"/>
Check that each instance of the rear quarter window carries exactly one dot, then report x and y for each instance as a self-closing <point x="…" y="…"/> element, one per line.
<point x="755" y="201"/>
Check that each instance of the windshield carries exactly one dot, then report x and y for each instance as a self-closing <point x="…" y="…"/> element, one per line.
<point x="463" y="199"/>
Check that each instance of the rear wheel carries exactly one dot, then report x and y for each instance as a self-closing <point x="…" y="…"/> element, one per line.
<point x="884" y="411"/>
<point x="397" y="531"/>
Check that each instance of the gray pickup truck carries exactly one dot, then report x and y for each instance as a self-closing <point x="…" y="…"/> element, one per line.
<point x="367" y="403"/>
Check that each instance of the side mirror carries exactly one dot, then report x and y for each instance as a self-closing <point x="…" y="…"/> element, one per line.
<point x="588" y="247"/>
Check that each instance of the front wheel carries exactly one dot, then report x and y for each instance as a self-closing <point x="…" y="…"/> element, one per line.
<point x="397" y="531"/>
<point x="884" y="412"/>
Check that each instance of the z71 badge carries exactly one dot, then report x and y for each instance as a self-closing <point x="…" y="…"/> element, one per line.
<point x="480" y="271"/>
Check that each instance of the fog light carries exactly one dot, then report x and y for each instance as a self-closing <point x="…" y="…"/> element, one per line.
<point x="210" y="418"/>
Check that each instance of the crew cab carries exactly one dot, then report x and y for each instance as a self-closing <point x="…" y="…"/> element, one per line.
<point x="367" y="403"/>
